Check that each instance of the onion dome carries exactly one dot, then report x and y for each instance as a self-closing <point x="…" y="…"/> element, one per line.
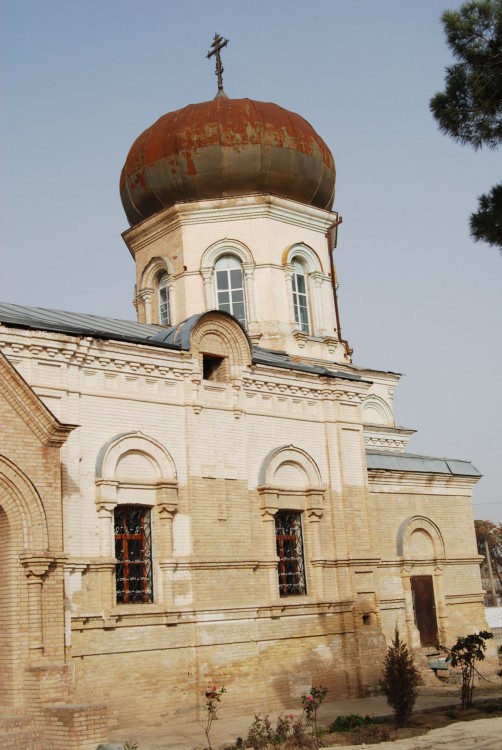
<point x="223" y="148"/>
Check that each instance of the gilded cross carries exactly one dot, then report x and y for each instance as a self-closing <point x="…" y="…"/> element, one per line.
<point x="216" y="47"/>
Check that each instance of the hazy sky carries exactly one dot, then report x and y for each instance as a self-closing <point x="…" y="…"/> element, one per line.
<point x="81" y="80"/>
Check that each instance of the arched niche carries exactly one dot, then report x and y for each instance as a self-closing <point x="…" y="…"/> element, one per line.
<point x="135" y="469"/>
<point x="306" y="255"/>
<point x="288" y="455"/>
<point x="218" y="338"/>
<point x="377" y="411"/>
<point x="155" y="268"/>
<point x="290" y="478"/>
<point x="226" y="247"/>
<point x="149" y="451"/>
<point x="418" y="535"/>
<point x="23" y="507"/>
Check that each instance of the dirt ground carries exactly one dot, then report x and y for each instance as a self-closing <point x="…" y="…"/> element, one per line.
<point x="382" y="729"/>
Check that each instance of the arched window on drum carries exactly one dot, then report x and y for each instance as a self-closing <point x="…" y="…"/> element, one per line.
<point x="229" y="286"/>
<point x="163" y="300"/>
<point x="301" y="296"/>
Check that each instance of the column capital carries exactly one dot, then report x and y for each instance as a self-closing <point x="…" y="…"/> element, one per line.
<point x="36" y="564"/>
<point x="145" y="294"/>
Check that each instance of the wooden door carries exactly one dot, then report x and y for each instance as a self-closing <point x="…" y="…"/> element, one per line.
<point x="422" y="590"/>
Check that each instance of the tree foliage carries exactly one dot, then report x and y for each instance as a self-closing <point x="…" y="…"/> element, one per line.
<point x="400" y="680"/>
<point x="465" y="653"/>
<point x="491" y="533"/>
<point x="470" y="107"/>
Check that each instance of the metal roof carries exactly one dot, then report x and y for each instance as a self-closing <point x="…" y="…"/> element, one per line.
<point x="175" y="337"/>
<point x="281" y="359"/>
<point x="422" y="464"/>
<point x="79" y="324"/>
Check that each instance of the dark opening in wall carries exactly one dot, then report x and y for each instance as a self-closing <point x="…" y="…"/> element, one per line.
<point x="213" y="368"/>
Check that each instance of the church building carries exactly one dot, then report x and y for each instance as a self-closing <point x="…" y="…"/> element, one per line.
<point x="215" y="494"/>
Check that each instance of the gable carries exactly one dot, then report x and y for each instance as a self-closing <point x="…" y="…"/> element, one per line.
<point x="28" y="408"/>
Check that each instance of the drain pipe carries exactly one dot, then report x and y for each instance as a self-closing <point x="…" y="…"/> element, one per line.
<point x="332" y="237"/>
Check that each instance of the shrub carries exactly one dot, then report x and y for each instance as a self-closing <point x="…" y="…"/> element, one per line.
<point x="213" y="699"/>
<point x="400" y="680"/>
<point x="465" y="653"/>
<point x="311" y="704"/>
<point x="348" y="723"/>
<point x="260" y="733"/>
<point x="289" y="732"/>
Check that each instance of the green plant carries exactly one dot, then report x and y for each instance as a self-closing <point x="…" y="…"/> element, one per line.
<point x="260" y="732"/>
<point x="131" y="745"/>
<point x="213" y="699"/>
<point x="400" y="680"/>
<point x="451" y="714"/>
<point x="298" y="737"/>
<point x="349" y="722"/>
<point x="464" y="654"/>
<point x="311" y="704"/>
<point x="290" y="732"/>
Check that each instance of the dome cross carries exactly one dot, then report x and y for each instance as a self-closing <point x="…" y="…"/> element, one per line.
<point x="216" y="47"/>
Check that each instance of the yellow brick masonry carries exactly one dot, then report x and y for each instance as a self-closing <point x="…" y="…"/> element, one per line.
<point x="215" y="461"/>
<point x="32" y="650"/>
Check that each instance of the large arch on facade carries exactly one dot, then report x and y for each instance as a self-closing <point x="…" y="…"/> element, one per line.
<point x="23" y="530"/>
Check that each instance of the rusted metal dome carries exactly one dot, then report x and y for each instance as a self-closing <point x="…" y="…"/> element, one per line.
<point x="222" y="148"/>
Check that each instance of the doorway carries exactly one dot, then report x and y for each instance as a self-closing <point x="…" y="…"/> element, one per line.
<point x="422" y="590"/>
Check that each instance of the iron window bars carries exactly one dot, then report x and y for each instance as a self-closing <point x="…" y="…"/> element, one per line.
<point x="289" y="541"/>
<point x="133" y="550"/>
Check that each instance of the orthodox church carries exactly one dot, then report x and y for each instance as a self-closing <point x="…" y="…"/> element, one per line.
<point x="216" y="493"/>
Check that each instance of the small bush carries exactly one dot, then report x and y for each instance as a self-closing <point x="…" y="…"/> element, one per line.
<point x="465" y="653"/>
<point x="311" y="704"/>
<point x="289" y="732"/>
<point x="400" y="680"/>
<point x="349" y="722"/>
<point x="260" y="732"/>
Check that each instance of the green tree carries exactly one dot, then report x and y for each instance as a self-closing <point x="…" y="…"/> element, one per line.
<point x="400" y="680"/>
<point x="470" y="107"/>
<point x="465" y="653"/>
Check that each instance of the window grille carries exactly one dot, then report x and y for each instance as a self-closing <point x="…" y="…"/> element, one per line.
<point x="133" y="550"/>
<point x="300" y="297"/>
<point x="288" y="535"/>
<point x="230" y="287"/>
<point x="163" y="300"/>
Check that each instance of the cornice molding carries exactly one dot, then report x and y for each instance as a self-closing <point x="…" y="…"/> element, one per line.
<point x="239" y="208"/>
<point x="395" y="482"/>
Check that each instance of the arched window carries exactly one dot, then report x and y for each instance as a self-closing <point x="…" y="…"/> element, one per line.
<point x="163" y="299"/>
<point x="300" y="296"/>
<point x="229" y="281"/>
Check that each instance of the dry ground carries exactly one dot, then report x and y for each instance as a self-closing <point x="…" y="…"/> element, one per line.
<point x="382" y="729"/>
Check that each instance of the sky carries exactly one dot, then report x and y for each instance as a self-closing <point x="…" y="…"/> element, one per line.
<point x="81" y="80"/>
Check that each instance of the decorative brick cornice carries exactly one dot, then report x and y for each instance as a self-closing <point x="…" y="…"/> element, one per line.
<point x="258" y="206"/>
